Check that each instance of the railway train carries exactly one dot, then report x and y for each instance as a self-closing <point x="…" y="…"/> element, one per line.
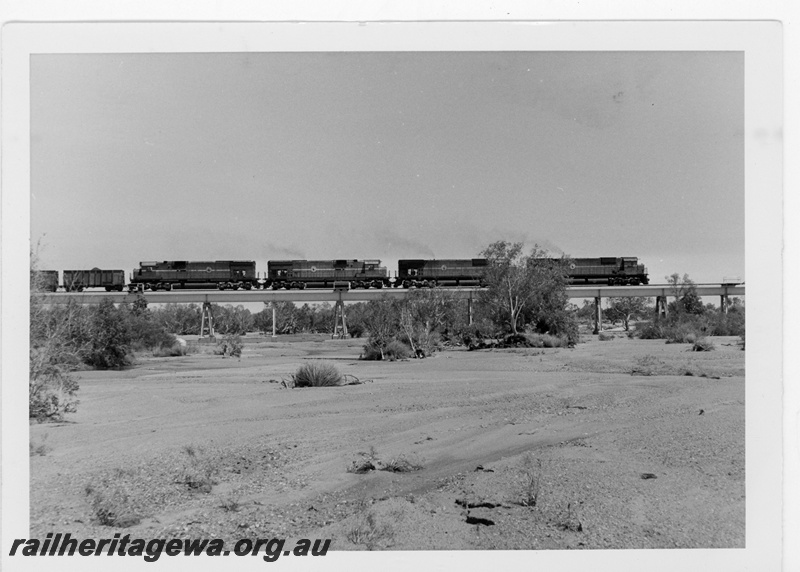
<point x="301" y="274"/>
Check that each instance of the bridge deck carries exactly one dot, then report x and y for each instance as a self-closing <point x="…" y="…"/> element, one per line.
<point x="240" y="296"/>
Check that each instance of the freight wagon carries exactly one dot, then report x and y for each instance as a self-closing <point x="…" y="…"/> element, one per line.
<point x="77" y="280"/>
<point x="220" y="274"/>
<point x="45" y="280"/>
<point x="323" y="273"/>
<point x="447" y="272"/>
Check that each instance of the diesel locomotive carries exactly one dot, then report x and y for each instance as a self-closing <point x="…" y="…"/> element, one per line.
<point x="302" y="274"/>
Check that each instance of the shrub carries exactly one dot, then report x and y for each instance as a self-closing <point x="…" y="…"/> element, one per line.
<point x="393" y="351"/>
<point x="369" y="533"/>
<point x="603" y="337"/>
<point x="703" y="345"/>
<point x="231" y="345"/>
<point x="198" y="471"/>
<point x="109" y="344"/>
<point x="547" y="341"/>
<point x="531" y="476"/>
<point x="317" y="375"/>
<point x="401" y="464"/>
<point x="111" y="503"/>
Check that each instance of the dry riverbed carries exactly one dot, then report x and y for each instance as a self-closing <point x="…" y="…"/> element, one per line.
<point x="613" y="444"/>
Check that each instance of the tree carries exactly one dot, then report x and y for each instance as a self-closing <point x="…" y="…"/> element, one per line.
<point x="627" y="309"/>
<point x="685" y="292"/>
<point x="524" y="289"/>
<point x="424" y="316"/>
<point x="110" y="341"/>
<point x="53" y="352"/>
<point x="381" y="318"/>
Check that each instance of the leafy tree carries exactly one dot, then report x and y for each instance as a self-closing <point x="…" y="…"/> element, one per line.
<point x="286" y="316"/>
<point x="110" y="340"/>
<point x="684" y="290"/>
<point x="627" y="309"/>
<point x="425" y="315"/>
<point x="525" y="289"/>
<point x="381" y="318"/>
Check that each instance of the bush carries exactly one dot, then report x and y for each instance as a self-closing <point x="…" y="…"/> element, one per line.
<point x="393" y="351"/>
<point x="547" y="341"/>
<point x="109" y="346"/>
<point x="703" y="345"/>
<point x="317" y="375"/>
<point x="231" y="345"/>
<point x="111" y="502"/>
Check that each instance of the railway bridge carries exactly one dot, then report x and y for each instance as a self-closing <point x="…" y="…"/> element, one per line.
<point x="342" y="295"/>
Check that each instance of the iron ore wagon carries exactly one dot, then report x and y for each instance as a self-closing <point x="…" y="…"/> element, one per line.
<point x="45" y="280"/>
<point x="77" y="280"/>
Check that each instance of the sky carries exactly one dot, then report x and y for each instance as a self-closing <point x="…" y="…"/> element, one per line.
<point x="321" y="155"/>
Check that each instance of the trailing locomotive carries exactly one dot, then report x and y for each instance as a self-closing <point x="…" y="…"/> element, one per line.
<point x="469" y="272"/>
<point x="300" y="274"/>
<point x="621" y="271"/>
<point x="449" y="272"/>
<point x="169" y="274"/>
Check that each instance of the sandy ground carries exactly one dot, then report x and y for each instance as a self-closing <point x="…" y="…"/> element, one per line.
<point x="612" y="444"/>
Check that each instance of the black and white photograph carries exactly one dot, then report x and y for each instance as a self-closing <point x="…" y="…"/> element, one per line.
<point x="456" y="293"/>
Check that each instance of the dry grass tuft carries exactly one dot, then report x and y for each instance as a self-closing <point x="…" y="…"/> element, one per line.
<point x="371" y="534"/>
<point x="198" y="471"/>
<point x="531" y="473"/>
<point x="317" y="375"/>
<point x="111" y="502"/>
<point x="401" y="464"/>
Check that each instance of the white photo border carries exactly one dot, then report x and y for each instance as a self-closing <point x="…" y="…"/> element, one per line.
<point x="761" y="41"/>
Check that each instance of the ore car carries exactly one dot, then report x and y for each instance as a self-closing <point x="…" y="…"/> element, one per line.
<point x="446" y="272"/>
<point x="169" y="274"/>
<point x="45" y="280"/>
<point x="323" y="273"/>
<point x="77" y="280"/>
<point x="607" y="270"/>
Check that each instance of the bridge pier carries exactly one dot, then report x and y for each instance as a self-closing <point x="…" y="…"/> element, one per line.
<point x="661" y="306"/>
<point x="339" y="321"/>
<point x="207" y="323"/>
<point x="598" y="315"/>
<point x="724" y="303"/>
<point x="469" y="310"/>
<point x="339" y="317"/>
<point x="274" y="322"/>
